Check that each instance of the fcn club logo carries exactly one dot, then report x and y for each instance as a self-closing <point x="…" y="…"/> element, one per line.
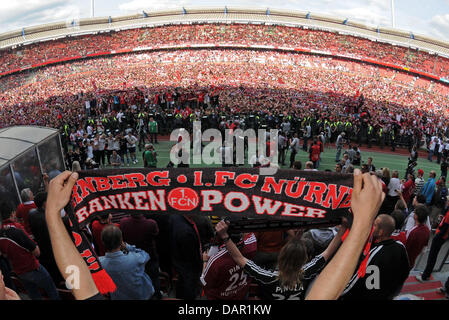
<point x="183" y="199"/>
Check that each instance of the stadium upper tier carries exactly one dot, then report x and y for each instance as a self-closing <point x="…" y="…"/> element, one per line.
<point x="270" y="29"/>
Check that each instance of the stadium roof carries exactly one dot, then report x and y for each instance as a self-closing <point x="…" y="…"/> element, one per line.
<point x="15" y="141"/>
<point x="54" y="31"/>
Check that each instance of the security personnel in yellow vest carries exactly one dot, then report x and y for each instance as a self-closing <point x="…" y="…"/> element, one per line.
<point x="114" y="124"/>
<point x="392" y="139"/>
<point x="65" y="137"/>
<point x="381" y="137"/>
<point x="141" y="115"/>
<point x="334" y="132"/>
<point x="105" y="122"/>
<point x="178" y="120"/>
<point x="370" y="135"/>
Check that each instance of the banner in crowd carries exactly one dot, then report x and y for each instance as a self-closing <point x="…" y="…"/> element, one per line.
<point x="237" y="192"/>
<point x="302" y="196"/>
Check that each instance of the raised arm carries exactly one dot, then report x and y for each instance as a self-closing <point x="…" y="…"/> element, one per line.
<point x="222" y="232"/>
<point x="65" y="252"/>
<point x="335" y="243"/>
<point x="366" y="199"/>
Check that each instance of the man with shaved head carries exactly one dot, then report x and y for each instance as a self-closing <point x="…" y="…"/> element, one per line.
<point x="387" y="267"/>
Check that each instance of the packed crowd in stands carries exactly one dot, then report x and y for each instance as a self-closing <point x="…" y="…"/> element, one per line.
<point x="179" y="86"/>
<point x="104" y="107"/>
<point x="231" y="34"/>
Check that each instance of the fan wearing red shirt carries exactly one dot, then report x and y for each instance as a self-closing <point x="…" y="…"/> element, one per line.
<point x="97" y="228"/>
<point x="315" y="154"/>
<point x="418" y="237"/>
<point x="22" y="253"/>
<point x="408" y="189"/>
<point x="222" y="278"/>
<point x="23" y="209"/>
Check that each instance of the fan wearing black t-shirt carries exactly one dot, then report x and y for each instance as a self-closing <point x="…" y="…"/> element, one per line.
<point x="387" y="267"/>
<point x="293" y="274"/>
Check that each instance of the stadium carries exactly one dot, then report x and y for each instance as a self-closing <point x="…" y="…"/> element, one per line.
<point x="103" y="96"/>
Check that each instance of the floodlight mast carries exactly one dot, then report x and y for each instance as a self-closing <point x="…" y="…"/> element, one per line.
<point x="92" y="8"/>
<point x="393" y="24"/>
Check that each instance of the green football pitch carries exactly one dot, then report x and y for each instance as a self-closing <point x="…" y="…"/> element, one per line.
<point x="393" y="161"/>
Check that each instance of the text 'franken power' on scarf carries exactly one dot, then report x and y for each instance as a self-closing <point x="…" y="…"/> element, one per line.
<point x="298" y="195"/>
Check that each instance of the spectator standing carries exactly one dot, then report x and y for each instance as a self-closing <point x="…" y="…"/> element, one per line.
<point x="102" y="150"/>
<point x="418" y="237"/>
<point x="432" y="146"/>
<point x="408" y="190"/>
<point x="222" y="278"/>
<point x="22" y="252"/>
<point x="23" y="209"/>
<point x="428" y="190"/>
<point x="441" y="235"/>
<point x="294" y="149"/>
<point x="419" y="182"/>
<point x="443" y="166"/>
<point x="269" y="244"/>
<point x="307" y="136"/>
<point x="153" y="128"/>
<point x="131" y="145"/>
<point x="293" y="273"/>
<point x="282" y="147"/>
<point x="339" y="144"/>
<point x="187" y="240"/>
<point x="410" y="220"/>
<point x="125" y="264"/>
<point x="141" y="232"/>
<point x="39" y="229"/>
<point x="315" y="154"/>
<point x="104" y="220"/>
<point x="390" y="258"/>
<point x="124" y="150"/>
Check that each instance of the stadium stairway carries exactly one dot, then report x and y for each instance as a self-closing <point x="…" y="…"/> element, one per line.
<point x="426" y="290"/>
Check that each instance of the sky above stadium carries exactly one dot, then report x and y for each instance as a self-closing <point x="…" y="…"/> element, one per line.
<point x="427" y="17"/>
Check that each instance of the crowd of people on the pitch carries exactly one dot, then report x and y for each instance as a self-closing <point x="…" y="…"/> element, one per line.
<point x="237" y="34"/>
<point x="331" y="96"/>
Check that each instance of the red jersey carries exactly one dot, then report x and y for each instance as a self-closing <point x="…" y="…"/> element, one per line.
<point x="201" y="97"/>
<point x="22" y="213"/>
<point x="417" y="239"/>
<point x="316" y="150"/>
<point x="223" y="279"/>
<point x="399" y="236"/>
<point x="270" y="241"/>
<point x="17" y="246"/>
<point x="9" y="223"/>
